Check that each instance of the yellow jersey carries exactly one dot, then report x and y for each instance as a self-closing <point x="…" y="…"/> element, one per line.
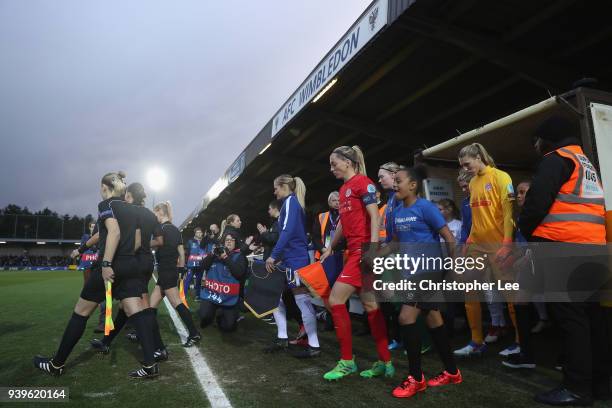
<point x="491" y="201"/>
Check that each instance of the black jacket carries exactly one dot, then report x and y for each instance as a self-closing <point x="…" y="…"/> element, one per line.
<point x="269" y="238"/>
<point x="244" y="248"/>
<point x="207" y="239"/>
<point x="553" y="171"/>
<point x="238" y="269"/>
<point x="317" y="239"/>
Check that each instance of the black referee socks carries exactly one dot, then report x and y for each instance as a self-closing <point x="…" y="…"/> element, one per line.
<point x="186" y="318"/>
<point x="412" y="342"/>
<point x="157" y="340"/>
<point x="72" y="334"/>
<point x="439" y="337"/>
<point x="143" y="323"/>
<point x="118" y="322"/>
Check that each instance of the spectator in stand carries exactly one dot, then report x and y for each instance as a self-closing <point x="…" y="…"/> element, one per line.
<point x="233" y="223"/>
<point x="225" y="268"/>
<point x="210" y="239"/>
<point x="268" y="237"/>
<point x="325" y="226"/>
<point x="463" y="180"/>
<point x="194" y="254"/>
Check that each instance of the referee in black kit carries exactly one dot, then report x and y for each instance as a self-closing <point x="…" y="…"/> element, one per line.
<point x="171" y="269"/>
<point x="119" y="238"/>
<point x="150" y="232"/>
<point x="565" y="206"/>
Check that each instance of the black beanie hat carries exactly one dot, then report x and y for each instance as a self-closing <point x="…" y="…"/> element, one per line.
<point x="556" y="129"/>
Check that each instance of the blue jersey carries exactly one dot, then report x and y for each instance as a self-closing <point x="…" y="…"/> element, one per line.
<point x="466" y="220"/>
<point x="419" y="224"/>
<point x="221" y="287"/>
<point x="292" y="245"/>
<point x="195" y="254"/>
<point x="392" y="204"/>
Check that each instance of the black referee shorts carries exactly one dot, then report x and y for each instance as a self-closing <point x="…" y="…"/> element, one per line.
<point x="167" y="277"/>
<point x="146" y="265"/>
<point x="127" y="282"/>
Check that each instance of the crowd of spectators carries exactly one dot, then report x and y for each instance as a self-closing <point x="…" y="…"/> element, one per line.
<point x="24" y="261"/>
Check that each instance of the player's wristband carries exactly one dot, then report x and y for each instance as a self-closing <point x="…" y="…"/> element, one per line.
<point x="107" y="264"/>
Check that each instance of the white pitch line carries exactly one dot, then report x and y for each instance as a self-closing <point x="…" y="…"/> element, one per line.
<point x="207" y="379"/>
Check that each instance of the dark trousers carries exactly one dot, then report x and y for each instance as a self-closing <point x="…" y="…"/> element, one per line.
<point x="585" y="333"/>
<point x="227" y="316"/>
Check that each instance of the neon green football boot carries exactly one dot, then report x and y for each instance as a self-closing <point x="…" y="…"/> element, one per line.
<point x="379" y="368"/>
<point x="342" y="369"/>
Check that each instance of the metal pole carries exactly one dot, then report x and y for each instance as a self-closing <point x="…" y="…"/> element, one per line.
<point x="62" y="233"/>
<point x="37" y="221"/>
<point x="15" y="233"/>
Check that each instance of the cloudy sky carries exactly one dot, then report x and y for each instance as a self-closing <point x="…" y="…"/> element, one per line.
<point x="90" y="87"/>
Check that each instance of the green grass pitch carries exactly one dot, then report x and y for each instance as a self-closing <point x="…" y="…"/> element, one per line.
<point x="37" y="305"/>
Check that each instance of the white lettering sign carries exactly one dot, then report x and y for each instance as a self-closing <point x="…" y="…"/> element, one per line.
<point x="366" y="28"/>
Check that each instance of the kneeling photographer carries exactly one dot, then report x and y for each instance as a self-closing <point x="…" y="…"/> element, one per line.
<point x="226" y="267"/>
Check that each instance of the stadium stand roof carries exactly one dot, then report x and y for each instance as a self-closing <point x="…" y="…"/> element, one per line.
<point x="420" y="73"/>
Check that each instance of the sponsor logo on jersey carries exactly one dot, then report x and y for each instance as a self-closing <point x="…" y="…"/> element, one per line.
<point x="348" y="192"/>
<point x="371" y="188"/>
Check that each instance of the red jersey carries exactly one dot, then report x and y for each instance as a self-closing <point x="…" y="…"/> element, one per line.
<point x="355" y="194"/>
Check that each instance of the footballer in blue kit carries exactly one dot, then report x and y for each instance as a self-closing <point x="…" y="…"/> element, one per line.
<point x="419" y="223"/>
<point x="416" y="220"/>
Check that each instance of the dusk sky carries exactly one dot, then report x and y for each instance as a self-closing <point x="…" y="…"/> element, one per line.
<point x="92" y="87"/>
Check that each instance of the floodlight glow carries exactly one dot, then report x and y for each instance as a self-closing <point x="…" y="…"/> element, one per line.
<point x="156" y="178"/>
<point x="324" y="90"/>
<point x="265" y="148"/>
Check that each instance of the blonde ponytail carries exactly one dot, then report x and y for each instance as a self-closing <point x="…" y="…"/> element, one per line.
<point x="361" y="168"/>
<point x="115" y="181"/>
<point x="296" y="185"/>
<point x="354" y="155"/>
<point x="477" y="150"/>
<point x="300" y="191"/>
<point x="228" y="220"/>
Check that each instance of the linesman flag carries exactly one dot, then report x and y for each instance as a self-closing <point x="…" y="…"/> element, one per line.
<point x="108" y="313"/>
<point x="320" y="277"/>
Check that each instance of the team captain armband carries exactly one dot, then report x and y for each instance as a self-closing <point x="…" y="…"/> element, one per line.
<point x="369" y="196"/>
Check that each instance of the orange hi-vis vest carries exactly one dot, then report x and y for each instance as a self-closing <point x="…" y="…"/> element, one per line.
<point x="382" y="231"/>
<point x="578" y="213"/>
<point x="323" y="218"/>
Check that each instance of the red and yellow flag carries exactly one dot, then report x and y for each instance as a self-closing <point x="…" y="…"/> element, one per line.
<point x="182" y="293"/>
<point x="108" y="316"/>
